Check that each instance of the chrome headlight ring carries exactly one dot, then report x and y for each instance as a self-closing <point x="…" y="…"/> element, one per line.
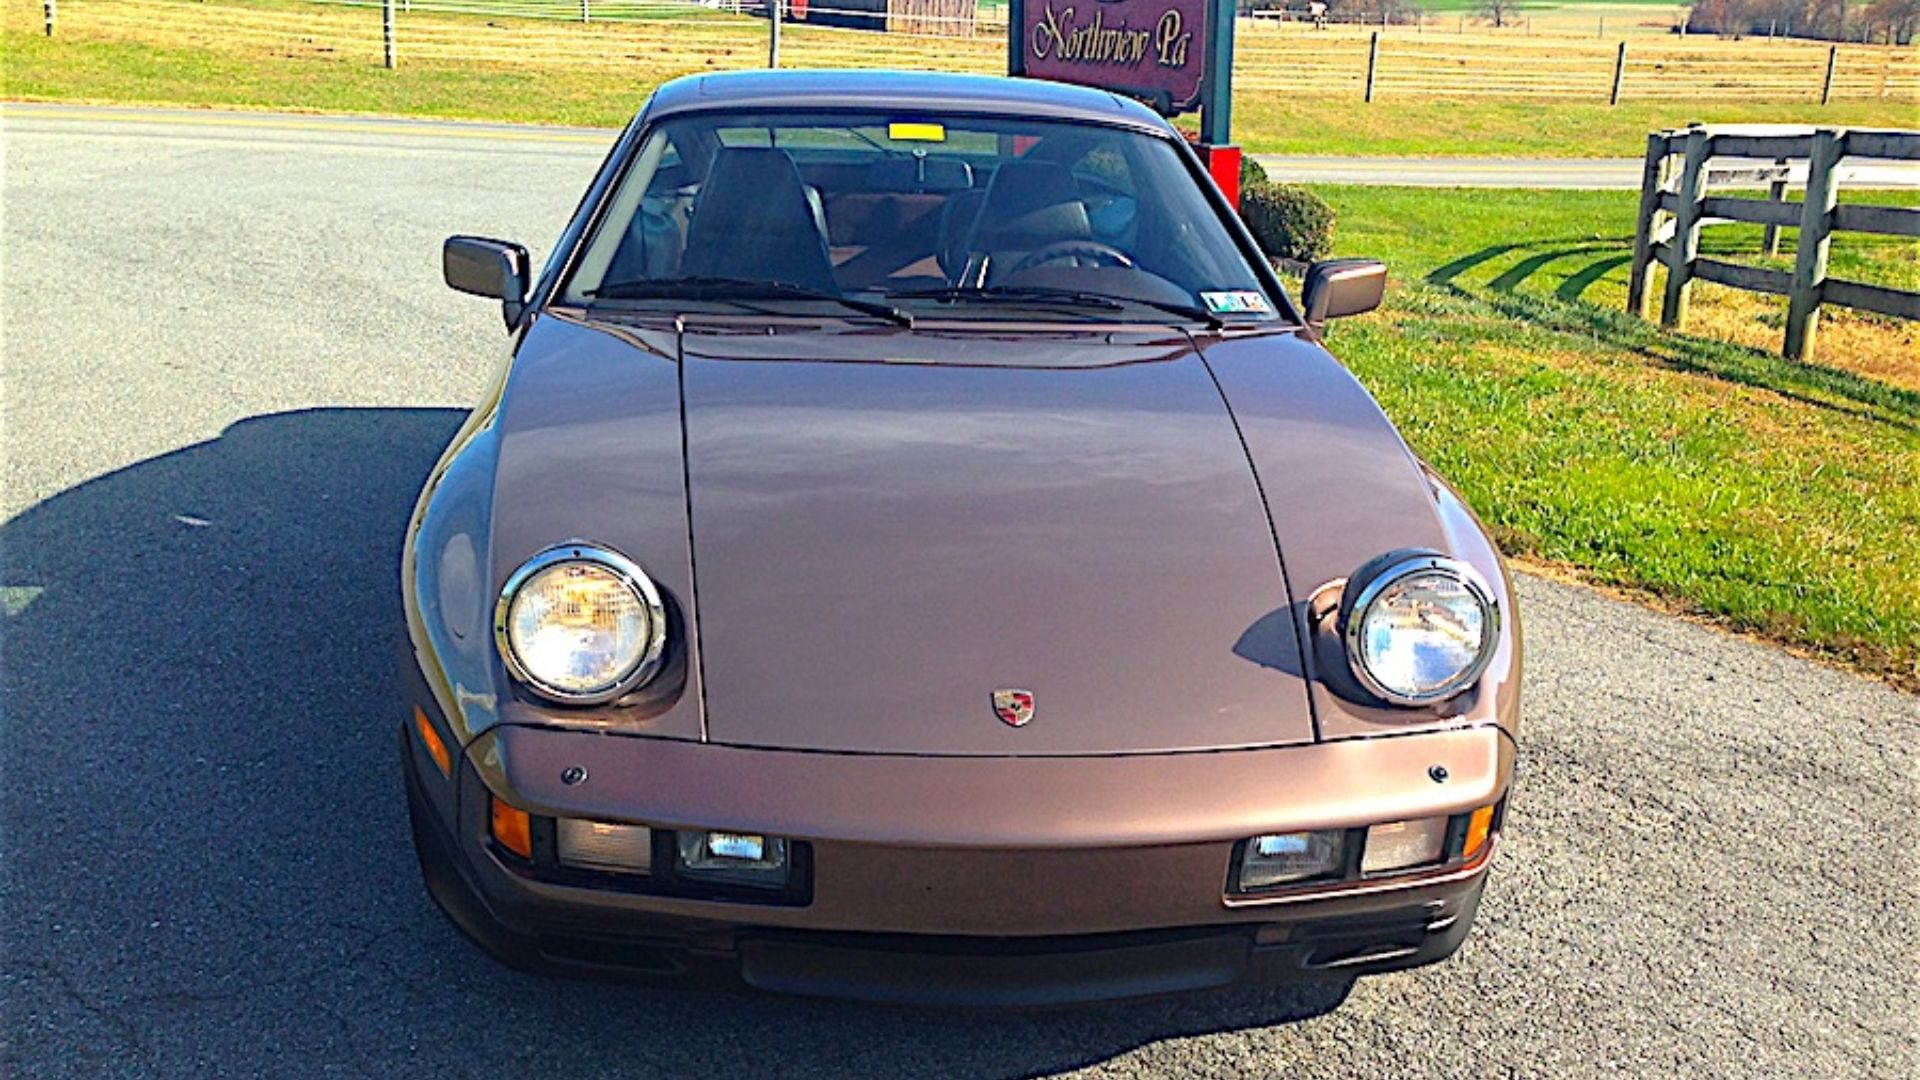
<point x="646" y="663"/>
<point x="1373" y="580"/>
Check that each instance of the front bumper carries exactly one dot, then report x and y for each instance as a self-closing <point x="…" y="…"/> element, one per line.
<point x="964" y="880"/>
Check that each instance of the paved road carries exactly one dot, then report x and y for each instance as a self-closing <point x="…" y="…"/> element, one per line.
<point x="229" y="362"/>
<point x="1595" y="173"/>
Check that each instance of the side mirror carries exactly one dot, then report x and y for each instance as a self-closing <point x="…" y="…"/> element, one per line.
<point x="1336" y="288"/>
<point x="494" y="269"/>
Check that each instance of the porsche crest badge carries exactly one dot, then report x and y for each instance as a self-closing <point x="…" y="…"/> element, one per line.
<point x="1013" y="707"/>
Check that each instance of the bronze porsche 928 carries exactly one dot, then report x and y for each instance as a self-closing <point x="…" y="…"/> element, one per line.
<point x="916" y="551"/>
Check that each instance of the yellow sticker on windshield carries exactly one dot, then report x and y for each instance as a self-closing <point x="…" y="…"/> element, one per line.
<point x="917" y="132"/>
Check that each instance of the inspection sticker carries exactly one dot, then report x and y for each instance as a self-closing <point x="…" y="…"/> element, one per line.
<point x="903" y="132"/>
<point x="1237" y="302"/>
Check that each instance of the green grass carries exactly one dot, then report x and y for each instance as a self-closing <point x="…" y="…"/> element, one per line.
<point x="135" y="73"/>
<point x="1774" y="497"/>
<point x="71" y="69"/>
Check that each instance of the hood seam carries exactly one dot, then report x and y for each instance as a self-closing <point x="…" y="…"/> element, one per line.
<point x="1302" y="634"/>
<point x="693" y="559"/>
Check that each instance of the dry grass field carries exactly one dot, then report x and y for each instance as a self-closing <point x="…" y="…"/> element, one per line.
<point x="1292" y="58"/>
<point x="1514" y="64"/>
<point x="1297" y="90"/>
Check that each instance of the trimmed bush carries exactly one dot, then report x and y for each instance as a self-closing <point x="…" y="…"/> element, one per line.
<point x="1252" y="173"/>
<point x="1289" y="221"/>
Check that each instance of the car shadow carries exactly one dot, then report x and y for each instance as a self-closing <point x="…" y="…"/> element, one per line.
<point x="208" y="859"/>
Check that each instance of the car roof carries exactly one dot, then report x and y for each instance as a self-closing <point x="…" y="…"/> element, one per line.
<point x="899" y="91"/>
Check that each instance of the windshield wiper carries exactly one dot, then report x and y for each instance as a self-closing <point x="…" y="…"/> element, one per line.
<point x="1009" y="294"/>
<point x="731" y="288"/>
<point x="1028" y="294"/>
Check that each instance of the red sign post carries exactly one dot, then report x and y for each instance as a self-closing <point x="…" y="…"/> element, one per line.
<point x="1175" y="55"/>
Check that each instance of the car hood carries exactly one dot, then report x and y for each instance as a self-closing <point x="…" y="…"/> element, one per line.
<point x="888" y="527"/>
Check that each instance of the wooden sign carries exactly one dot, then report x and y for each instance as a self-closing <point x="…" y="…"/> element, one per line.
<point x="1154" y="50"/>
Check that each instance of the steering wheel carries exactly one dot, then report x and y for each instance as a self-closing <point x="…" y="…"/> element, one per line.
<point x="1104" y="254"/>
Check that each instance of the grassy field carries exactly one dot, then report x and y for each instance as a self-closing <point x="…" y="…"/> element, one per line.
<point x="302" y="57"/>
<point x="1777" y="498"/>
<point x="135" y="72"/>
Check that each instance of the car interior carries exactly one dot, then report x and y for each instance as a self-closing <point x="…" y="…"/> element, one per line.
<point x="994" y="211"/>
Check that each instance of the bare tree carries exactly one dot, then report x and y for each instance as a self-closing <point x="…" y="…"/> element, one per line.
<point x="1833" y="20"/>
<point x="1728" y="18"/>
<point x="1829" y="19"/>
<point x="1497" y="12"/>
<point x="1899" y="18"/>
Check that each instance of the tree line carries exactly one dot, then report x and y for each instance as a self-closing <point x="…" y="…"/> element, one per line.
<point x="1893" y="21"/>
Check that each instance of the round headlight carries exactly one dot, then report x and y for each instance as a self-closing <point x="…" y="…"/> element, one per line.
<point x="1418" y="627"/>
<point x="580" y="624"/>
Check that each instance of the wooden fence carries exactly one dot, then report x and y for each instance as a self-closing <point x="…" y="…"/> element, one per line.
<point x="1675" y="205"/>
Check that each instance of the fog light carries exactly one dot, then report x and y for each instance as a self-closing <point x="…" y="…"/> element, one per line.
<point x="733" y="858"/>
<point x="1404" y="844"/>
<point x="600" y="845"/>
<point x="1283" y="858"/>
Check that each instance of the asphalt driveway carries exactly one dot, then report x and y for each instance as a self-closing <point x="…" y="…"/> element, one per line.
<point x="228" y="363"/>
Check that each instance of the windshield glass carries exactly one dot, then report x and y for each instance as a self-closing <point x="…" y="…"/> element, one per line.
<point x="954" y="216"/>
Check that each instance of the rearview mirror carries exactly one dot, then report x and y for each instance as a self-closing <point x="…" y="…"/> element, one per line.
<point x="1336" y="288"/>
<point x="495" y="269"/>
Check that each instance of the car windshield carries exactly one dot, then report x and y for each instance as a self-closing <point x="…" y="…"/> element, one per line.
<point x="904" y="215"/>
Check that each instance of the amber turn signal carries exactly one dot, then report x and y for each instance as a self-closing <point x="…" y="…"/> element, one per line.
<point x="429" y="738"/>
<point x="1478" y="826"/>
<point x="513" y="829"/>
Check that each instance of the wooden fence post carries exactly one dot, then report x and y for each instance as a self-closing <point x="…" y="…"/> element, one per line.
<point x="1639" y="291"/>
<point x="1685" y="245"/>
<point x="1373" y="60"/>
<point x="1816" y="230"/>
<point x="1826" y="85"/>
<point x="1776" y="192"/>
<point x="773" y="32"/>
<point x="1619" y="72"/>
<point x="386" y="32"/>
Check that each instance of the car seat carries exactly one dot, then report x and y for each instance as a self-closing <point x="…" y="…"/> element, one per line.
<point x="755" y="219"/>
<point x="1026" y="206"/>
